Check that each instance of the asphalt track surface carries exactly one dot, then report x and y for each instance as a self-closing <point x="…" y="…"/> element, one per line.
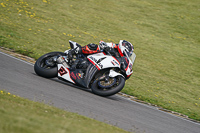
<point x="18" y="77"/>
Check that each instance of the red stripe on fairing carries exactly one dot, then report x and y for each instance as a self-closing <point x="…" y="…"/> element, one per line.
<point x="94" y="64"/>
<point x="120" y="52"/>
<point x="129" y="75"/>
<point x="127" y="67"/>
<point x="98" y="67"/>
<point x="116" y="60"/>
<point x="91" y="61"/>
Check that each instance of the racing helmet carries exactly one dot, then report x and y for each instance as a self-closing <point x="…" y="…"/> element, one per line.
<point x="126" y="47"/>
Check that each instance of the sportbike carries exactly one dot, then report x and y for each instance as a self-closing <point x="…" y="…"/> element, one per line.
<point x="104" y="73"/>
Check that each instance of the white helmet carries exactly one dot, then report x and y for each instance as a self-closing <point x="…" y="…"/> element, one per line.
<point x="126" y="47"/>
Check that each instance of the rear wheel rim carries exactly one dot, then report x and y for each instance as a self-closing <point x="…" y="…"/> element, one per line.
<point x="47" y="63"/>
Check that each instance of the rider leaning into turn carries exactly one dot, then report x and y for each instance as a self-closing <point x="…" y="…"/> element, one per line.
<point x="115" y="50"/>
<point x="92" y="48"/>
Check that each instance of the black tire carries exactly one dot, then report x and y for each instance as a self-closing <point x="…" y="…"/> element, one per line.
<point x="42" y="70"/>
<point x="117" y="87"/>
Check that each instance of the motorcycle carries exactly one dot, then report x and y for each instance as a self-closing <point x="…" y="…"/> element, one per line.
<point x="102" y="72"/>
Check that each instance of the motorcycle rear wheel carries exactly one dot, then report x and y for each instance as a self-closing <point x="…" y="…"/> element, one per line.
<point x="45" y="67"/>
<point x="108" y="87"/>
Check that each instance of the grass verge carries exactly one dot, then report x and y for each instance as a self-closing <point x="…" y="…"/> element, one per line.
<point x="19" y="115"/>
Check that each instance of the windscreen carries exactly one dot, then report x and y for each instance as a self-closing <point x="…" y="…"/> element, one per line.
<point x="132" y="57"/>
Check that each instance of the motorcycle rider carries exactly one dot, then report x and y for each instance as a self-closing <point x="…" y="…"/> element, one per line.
<point x="123" y="49"/>
<point x="112" y="48"/>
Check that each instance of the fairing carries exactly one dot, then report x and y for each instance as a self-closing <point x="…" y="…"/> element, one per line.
<point x="102" y="61"/>
<point x="64" y="73"/>
<point x="131" y="60"/>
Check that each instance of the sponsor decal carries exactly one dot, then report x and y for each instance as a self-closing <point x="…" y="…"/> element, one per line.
<point x="115" y="62"/>
<point x="62" y="71"/>
<point x="73" y="75"/>
<point x="78" y="75"/>
<point x="96" y="61"/>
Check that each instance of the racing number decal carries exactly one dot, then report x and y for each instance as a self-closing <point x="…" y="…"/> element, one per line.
<point x="62" y="71"/>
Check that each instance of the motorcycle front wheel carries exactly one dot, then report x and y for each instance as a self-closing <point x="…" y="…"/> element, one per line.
<point x="107" y="86"/>
<point x="46" y="67"/>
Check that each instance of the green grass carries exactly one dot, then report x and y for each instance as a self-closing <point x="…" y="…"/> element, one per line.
<point x="165" y="35"/>
<point x="20" y="115"/>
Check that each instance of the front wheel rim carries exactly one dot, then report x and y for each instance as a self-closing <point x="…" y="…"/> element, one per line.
<point x="107" y="83"/>
<point x="114" y="82"/>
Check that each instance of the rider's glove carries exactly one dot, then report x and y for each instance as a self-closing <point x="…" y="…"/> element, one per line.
<point x="102" y="44"/>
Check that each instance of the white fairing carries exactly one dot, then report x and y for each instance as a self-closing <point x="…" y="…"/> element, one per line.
<point x="114" y="74"/>
<point x="129" y="70"/>
<point x="64" y="73"/>
<point x="102" y="61"/>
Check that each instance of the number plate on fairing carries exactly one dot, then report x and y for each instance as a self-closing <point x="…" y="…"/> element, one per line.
<point x="64" y="73"/>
